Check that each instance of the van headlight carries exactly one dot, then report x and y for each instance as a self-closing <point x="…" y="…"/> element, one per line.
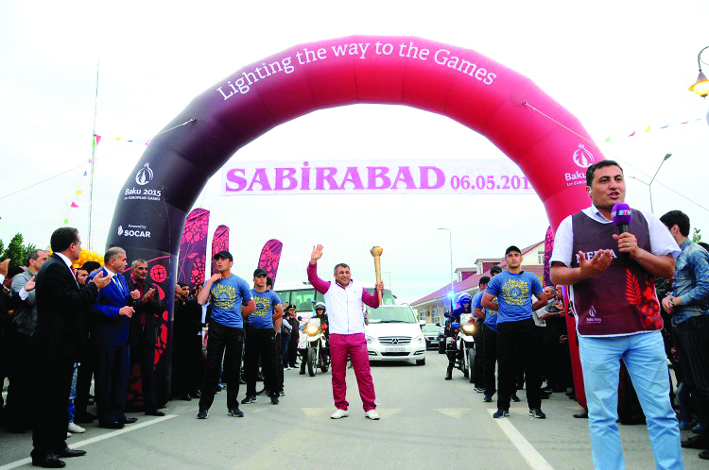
<point x="420" y="339"/>
<point x="370" y="339"/>
<point x="468" y="328"/>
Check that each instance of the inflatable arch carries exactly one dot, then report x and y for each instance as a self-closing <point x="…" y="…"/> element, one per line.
<point x="540" y="136"/>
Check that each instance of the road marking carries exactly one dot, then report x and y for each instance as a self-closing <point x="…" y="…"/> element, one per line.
<point x="530" y="454"/>
<point x="85" y="442"/>
<point x="456" y="413"/>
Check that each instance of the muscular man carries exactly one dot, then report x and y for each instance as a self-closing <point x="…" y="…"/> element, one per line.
<point x="344" y="299"/>
<point x="618" y="314"/>
<point x="231" y="301"/>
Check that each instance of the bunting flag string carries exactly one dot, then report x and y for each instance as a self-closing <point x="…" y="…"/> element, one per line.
<point x="649" y="129"/>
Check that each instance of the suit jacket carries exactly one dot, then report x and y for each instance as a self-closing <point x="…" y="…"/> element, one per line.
<point x="61" y="307"/>
<point x="150" y="309"/>
<point x="108" y="327"/>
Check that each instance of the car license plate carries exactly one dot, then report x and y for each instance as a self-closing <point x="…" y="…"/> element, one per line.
<point x="396" y="349"/>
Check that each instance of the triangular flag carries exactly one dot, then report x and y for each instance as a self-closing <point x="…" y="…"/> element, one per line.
<point x="90" y="161"/>
<point x="85" y="173"/>
<point x="98" y="139"/>
<point x="632" y="134"/>
<point x="147" y="142"/>
<point x="78" y="191"/>
<point x="74" y="205"/>
<point x="648" y="129"/>
<point x="118" y="138"/>
<point x="665" y="126"/>
<point x="608" y="139"/>
<point x="66" y="221"/>
<point x="685" y="122"/>
<point x="130" y="140"/>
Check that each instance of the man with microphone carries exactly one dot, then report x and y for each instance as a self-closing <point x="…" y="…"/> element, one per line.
<point x="610" y="255"/>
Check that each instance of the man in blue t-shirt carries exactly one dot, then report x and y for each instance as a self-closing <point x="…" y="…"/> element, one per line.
<point x="261" y="339"/>
<point x="515" y="331"/>
<point x="231" y="300"/>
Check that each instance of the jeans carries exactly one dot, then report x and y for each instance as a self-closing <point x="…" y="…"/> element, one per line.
<point x="72" y="394"/>
<point x="222" y="339"/>
<point x="356" y="346"/>
<point x="644" y="356"/>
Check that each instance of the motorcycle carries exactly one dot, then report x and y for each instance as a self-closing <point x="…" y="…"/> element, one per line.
<point x="460" y="347"/>
<point x="313" y="344"/>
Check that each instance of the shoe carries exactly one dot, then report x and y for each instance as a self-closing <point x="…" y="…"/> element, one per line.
<point x="372" y="414"/>
<point x="487" y="399"/>
<point x="704" y="455"/>
<point x="68" y="435"/>
<point x="263" y="392"/>
<point x="514" y="398"/>
<point x="698" y="428"/>
<point x="282" y="393"/>
<point x="275" y="400"/>
<point x="126" y="420"/>
<point x="75" y="428"/>
<point x="186" y="397"/>
<point x="537" y="413"/>
<point x="479" y="389"/>
<point x="67" y="453"/>
<point x="202" y="414"/>
<point x="197" y="394"/>
<point x="544" y="396"/>
<point x="248" y="400"/>
<point x="302" y="372"/>
<point x="500" y="413"/>
<point x="582" y="415"/>
<point x="218" y="389"/>
<point x="155" y="413"/>
<point x="111" y="425"/>
<point x="84" y="418"/>
<point x="243" y="382"/>
<point x="696" y="442"/>
<point x="685" y="425"/>
<point x="339" y="414"/>
<point x="236" y="412"/>
<point x="50" y="461"/>
<point x="449" y="375"/>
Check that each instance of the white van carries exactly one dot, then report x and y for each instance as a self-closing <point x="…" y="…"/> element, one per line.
<point x="394" y="334"/>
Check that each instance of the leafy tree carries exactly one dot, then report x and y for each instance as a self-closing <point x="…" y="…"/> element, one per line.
<point x="696" y="235"/>
<point x="16" y="250"/>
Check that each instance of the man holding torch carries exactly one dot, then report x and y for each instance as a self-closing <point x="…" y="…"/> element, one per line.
<point x="344" y="300"/>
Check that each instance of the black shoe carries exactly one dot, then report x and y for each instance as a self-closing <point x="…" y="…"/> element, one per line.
<point x="67" y="452"/>
<point x="704" y="455"/>
<point x="49" y="461"/>
<point x="236" y="412"/>
<point x="111" y="425"/>
<point x="243" y="382"/>
<point x="479" y="390"/>
<point x="84" y="418"/>
<point x="449" y="375"/>
<point x="202" y="414"/>
<point x="544" y="395"/>
<point x="155" y="413"/>
<point x="274" y="400"/>
<point x="262" y="392"/>
<point x="248" y="400"/>
<point x="500" y="413"/>
<point x="537" y="413"/>
<point x="126" y="420"/>
<point x="514" y="398"/>
<point x="696" y="442"/>
<point x="218" y="389"/>
<point x="282" y="393"/>
<point x="197" y="394"/>
<point x="186" y="397"/>
<point x="487" y="399"/>
<point x="582" y="415"/>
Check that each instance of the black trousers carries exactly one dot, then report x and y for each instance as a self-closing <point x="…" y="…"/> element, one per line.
<point x="83" y="378"/>
<point x="279" y="363"/>
<point x="479" y="357"/>
<point x="224" y="342"/>
<point x="143" y="354"/>
<point x="692" y="338"/>
<point x="516" y="347"/>
<point x="260" y="345"/>
<point x="489" y="359"/>
<point x="52" y="418"/>
<point x="111" y="385"/>
<point x="21" y="374"/>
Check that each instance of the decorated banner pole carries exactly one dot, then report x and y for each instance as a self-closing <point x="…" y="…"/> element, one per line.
<point x="376" y="252"/>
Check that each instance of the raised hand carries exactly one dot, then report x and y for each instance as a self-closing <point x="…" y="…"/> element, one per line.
<point x="135" y="295"/>
<point x="316" y="254"/>
<point x="101" y="280"/>
<point x="29" y="285"/>
<point x="596" y="265"/>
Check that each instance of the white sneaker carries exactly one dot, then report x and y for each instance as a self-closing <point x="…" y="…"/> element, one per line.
<point x="339" y="414"/>
<point x="372" y="414"/>
<point x="68" y="435"/>
<point x="73" y="427"/>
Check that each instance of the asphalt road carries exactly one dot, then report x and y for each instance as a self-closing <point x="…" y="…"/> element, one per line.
<point x="426" y="422"/>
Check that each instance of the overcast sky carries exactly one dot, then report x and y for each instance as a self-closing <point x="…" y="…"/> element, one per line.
<point x="619" y="67"/>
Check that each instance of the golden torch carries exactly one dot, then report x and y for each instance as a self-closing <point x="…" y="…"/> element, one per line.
<point x="376" y="252"/>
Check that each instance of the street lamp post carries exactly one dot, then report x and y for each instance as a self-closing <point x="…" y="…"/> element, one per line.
<point x="649" y="185"/>
<point x="701" y="86"/>
<point x="450" y="246"/>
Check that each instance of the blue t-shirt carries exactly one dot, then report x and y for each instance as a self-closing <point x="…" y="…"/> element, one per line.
<point x="266" y="303"/>
<point x="490" y="315"/>
<point x="228" y="295"/>
<point x="514" y="295"/>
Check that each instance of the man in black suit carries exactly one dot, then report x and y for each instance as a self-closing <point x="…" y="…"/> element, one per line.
<point x="56" y="345"/>
<point x="143" y="336"/>
<point x="111" y="316"/>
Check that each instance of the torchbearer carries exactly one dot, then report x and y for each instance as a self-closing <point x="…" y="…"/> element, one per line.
<point x="344" y="301"/>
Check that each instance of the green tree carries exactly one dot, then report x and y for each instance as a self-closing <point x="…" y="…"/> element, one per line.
<point x="16" y="250"/>
<point x="696" y="235"/>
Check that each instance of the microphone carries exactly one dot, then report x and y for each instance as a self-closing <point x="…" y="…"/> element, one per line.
<point x="622" y="215"/>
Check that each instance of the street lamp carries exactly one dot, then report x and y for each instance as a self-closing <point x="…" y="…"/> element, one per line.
<point x="649" y="185"/>
<point x="701" y="86"/>
<point x="450" y="246"/>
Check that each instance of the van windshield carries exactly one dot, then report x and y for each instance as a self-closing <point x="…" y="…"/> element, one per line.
<point x="391" y="314"/>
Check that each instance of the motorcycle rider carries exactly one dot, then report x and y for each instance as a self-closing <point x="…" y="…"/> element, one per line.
<point x="464" y="301"/>
<point x="322" y="316"/>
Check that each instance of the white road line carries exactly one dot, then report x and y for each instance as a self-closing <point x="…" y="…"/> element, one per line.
<point x="85" y="442"/>
<point x="530" y="454"/>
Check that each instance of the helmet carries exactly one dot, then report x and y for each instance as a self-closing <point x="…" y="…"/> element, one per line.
<point x="320" y="305"/>
<point x="463" y="297"/>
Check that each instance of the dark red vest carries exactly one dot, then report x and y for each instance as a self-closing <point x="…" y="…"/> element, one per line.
<point x="622" y="299"/>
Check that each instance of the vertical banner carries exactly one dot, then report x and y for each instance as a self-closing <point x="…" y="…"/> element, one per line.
<point x="220" y="242"/>
<point x="548" y="248"/>
<point x="193" y="248"/>
<point x="270" y="258"/>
